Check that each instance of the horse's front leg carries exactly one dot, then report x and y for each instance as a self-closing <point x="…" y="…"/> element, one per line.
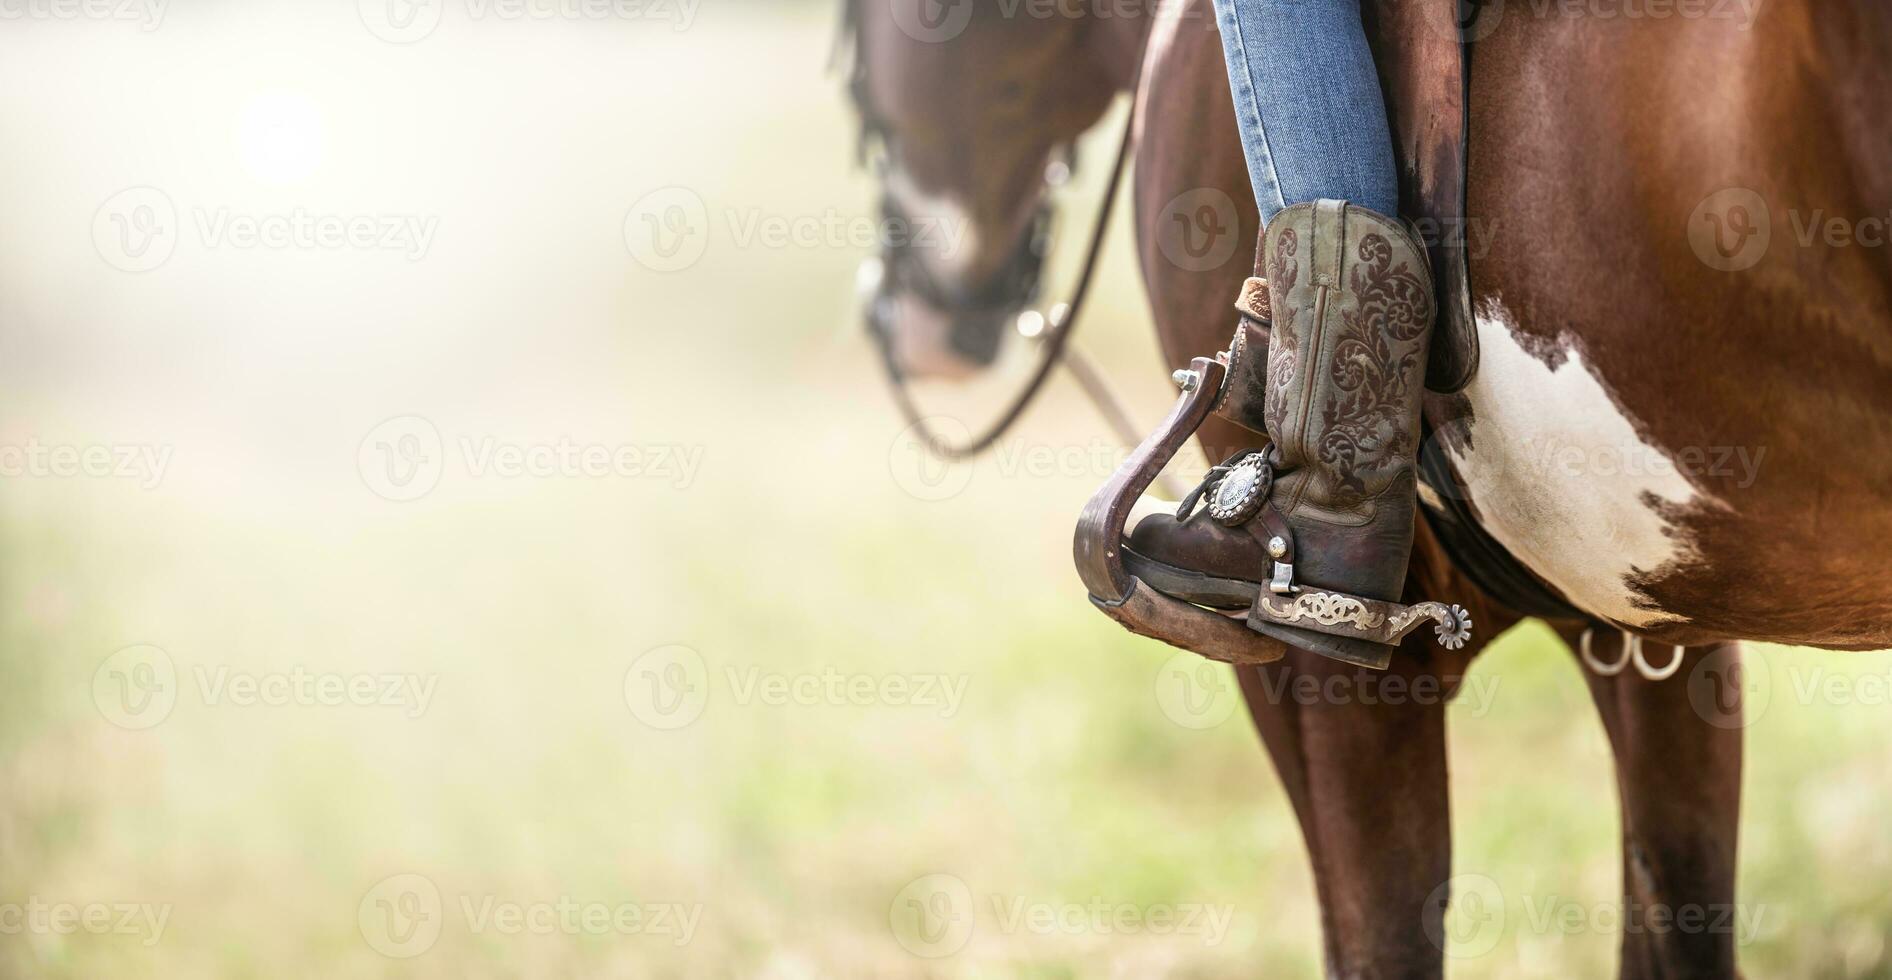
<point x="1362" y="755"/>
<point x="1678" y="772"/>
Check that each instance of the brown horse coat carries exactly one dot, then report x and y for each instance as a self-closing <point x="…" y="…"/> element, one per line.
<point x="1680" y="278"/>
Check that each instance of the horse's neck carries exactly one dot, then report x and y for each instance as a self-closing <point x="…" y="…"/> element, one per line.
<point x="1121" y="37"/>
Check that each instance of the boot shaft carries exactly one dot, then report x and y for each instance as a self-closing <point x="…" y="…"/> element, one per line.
<point x="1350" y="291"/>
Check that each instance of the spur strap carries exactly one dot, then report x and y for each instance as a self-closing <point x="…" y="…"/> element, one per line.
<point x="1253" y="302"/>
<point x="1338" y="614"/>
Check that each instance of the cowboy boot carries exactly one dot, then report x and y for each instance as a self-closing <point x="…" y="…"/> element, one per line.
<point x="1313" y="534"/>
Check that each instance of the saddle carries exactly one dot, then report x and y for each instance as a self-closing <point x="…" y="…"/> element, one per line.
<point x="1423" y="67"/>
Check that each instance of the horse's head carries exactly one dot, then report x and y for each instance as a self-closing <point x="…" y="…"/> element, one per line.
<point x="968" y="111"/>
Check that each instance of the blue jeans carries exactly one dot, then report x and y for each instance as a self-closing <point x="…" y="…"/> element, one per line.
<point x="1308" y="103"/>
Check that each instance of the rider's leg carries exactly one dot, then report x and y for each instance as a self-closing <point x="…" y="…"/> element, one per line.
<point x="1308" y="103"/>
<point x="1315" y="535"/>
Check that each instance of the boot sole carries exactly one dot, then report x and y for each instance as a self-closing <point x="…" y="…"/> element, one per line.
<point x="1191" y="586"/>
<point x="1216" y="592"/>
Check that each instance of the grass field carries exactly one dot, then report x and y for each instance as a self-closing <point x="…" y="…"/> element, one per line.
<point x="682" y="664"/>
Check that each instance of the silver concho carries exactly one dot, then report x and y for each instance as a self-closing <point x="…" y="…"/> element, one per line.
<point x="1239" y="495"/>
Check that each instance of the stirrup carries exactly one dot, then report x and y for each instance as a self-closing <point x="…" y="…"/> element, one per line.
<point x="1098" y="546"/>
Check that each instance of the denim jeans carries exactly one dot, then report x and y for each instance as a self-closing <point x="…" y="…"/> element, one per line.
<point x="1308" y="103"/>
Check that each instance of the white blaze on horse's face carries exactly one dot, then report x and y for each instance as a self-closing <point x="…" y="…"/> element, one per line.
<point x="942" y="230"/>
<point x="1559" y="475"/>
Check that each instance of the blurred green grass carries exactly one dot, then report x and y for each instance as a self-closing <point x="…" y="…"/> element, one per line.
<point x="1060" y="779"/>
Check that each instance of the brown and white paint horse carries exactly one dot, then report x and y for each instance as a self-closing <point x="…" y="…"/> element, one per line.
<point x="1681" y="420"/>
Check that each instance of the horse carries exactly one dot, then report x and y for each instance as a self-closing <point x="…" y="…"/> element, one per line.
<point x="1678" y="423"/>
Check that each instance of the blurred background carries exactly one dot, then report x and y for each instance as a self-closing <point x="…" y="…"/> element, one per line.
<point x="451" y="524"/>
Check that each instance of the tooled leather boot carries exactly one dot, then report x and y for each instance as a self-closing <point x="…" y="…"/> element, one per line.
<point x="1314" y="533"/>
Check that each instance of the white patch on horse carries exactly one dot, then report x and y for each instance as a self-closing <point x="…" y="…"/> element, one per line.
<point x="939" y="226"/>
<point x="1561" y="478"/>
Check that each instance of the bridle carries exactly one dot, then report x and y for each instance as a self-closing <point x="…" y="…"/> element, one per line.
<point x="1014" y="288"/>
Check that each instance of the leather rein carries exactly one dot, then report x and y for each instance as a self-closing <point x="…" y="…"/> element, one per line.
<point x="1014" y="288"/>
